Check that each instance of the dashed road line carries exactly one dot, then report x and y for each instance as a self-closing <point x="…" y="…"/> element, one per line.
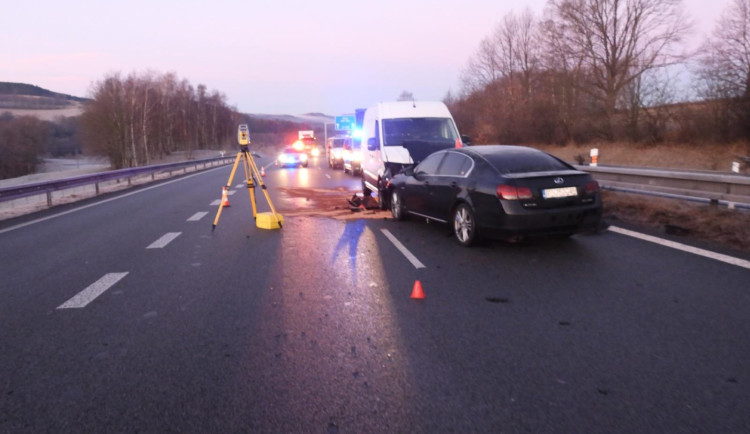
<point x="683" y="247"/>
<point x="197" y="216"/>
<point x="164" y="240"/>
<point x="93" y="291"/>
<point x="413" y="259"/>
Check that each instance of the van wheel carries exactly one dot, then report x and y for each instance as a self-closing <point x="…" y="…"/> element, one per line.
<point x="365" y="191"/>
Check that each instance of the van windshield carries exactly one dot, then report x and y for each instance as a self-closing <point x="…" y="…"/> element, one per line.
<point x="402" y="131"/>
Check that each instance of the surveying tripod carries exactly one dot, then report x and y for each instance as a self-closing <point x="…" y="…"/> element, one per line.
<point x="251" y="175"/>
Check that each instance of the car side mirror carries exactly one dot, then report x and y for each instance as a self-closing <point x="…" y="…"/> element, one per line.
<point x="372" y="144"/>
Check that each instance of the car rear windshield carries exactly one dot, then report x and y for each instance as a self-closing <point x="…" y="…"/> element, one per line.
<point x="525" y="162"/>
<point x="396" y="132"/>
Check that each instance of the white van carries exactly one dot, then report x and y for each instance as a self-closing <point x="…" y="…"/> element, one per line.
<point x="400" y="134"/>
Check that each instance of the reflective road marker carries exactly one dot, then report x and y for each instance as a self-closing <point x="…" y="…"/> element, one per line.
<point x="683" y="247"/>
<point x="164" y="240"/>
<point x="94" y="290"/>
<point x="197" y="216"/>
<point x="413" y="259"/>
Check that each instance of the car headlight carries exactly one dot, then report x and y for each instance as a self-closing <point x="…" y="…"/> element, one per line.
<point x="356" y="156"/>
<point x="337" y="153"/>
<point x="303" y="157"/>
<point x="315" y="152"/>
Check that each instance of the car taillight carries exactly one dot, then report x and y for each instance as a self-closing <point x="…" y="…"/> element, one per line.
<point x="509" y="192"/>
<point x="591" y="187"/>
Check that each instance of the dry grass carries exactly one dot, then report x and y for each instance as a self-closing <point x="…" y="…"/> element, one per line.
<point x="674" y="156"/>
<point x="717" y="226"/>
<point x="714" y="225"/>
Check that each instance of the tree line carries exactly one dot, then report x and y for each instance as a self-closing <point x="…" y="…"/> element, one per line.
<point x="589" y="70"/>
<point x="136" y="119"/>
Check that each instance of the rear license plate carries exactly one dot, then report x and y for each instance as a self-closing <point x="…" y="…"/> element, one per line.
<point x="553" y="193"/>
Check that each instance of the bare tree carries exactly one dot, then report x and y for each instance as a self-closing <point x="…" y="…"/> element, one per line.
<point x="406" y="96"/>
<point x="143" y="116"/>
<point x="483" y="67"/>
<point x="725" y="67"/>
<point x="618" y="41"/>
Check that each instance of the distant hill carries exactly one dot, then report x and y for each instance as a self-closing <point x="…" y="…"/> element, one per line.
<point x="8" y="88"/>
<point x="24" y="96"/>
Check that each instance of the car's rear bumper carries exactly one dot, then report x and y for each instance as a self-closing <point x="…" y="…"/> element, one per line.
<point x="544" y="222"/>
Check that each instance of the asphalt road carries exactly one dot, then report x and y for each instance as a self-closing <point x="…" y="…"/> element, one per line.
<point x="311" y="328"/>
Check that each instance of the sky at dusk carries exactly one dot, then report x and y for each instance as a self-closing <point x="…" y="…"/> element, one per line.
<point x="275" y="57"/>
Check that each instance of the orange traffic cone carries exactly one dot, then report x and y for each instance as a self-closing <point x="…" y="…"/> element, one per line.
<point x="417" y="292"/>
<point x="224" y="197"/>
<point x="262" y="171"/>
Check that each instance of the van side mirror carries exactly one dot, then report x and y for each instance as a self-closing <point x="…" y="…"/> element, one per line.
<point x="372" y="144"/>
<point x="466" y="140"/>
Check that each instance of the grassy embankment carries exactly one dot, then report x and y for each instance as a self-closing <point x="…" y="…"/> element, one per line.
<point x="713" y="225"/>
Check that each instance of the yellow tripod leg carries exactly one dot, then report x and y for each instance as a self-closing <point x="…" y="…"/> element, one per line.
<point x="229" y="184"/>
<point x="249" y="181"/>
<point x="265" y="190"/>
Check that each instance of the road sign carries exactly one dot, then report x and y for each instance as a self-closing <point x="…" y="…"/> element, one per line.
<point x="345" y="123"/>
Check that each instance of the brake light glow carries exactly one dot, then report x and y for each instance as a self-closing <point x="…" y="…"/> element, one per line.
<point x="509" y="192"/>
<point x="592" y="187"/>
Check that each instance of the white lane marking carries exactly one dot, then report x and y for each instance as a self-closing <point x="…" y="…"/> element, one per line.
<point x="29" y="223"/>
<point x="217" y="202"/>
<point x="93" y="291"/>
<point x="231" y="192"/>
<point x="413" y="259"/>
<point x="683" y="247"/>
<point x="328" y="176"/>
<point x="240" y="186"/>
<point x="164" y="240"/>
<point x="197" y="216"/>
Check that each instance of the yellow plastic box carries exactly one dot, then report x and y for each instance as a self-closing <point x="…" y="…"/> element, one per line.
<point x="266" y="220"/>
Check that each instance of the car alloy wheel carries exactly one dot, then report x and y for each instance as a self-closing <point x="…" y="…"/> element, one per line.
<point x="397" y="207"/>
<point x="464" y="225"/>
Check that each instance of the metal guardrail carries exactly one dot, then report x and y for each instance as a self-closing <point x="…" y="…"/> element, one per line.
<point x="48" y="187"/>
<point x="709" y="187"/>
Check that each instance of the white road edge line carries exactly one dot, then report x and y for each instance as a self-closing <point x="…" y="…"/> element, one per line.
<point x="164" y="240"/>
<point x="413" y="259"/>
<point x="122" y="196"/>
<point x="93" y="291"/>
<point x="197" y="216"/>
<point x="683" y="247"/>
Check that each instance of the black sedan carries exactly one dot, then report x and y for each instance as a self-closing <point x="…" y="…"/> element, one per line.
<point x="498" y="191"/>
